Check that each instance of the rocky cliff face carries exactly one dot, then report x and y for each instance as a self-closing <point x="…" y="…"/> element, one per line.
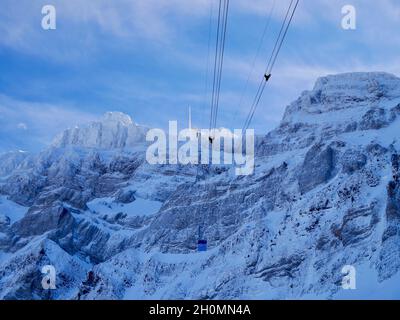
<point x="325" y="194"/>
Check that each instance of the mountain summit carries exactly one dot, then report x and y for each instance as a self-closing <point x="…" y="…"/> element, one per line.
<point x="115" y="130"/>
<point x="333" y="96"/>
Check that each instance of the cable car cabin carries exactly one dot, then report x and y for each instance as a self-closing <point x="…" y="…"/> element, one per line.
<point x="201" y="245"/>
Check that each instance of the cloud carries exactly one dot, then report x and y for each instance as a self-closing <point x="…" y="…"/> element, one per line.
<point x="85" y="26"/>
<point x="43" y="120"/>
<point x="157" y="21"/>
<point x="22" y="126"/>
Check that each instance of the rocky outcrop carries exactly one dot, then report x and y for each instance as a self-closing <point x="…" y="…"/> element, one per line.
<point x="374" y="119"/>
<point x="390" y="254"/>
<point x="317" y="167"/>
<point x="40" y="222"/>
<point x="127" y="196"/>
<point x="357" y="224"/>
<point x="4" y="222"/>
<point x="353" y="160"/>
<point x="10" y="161"/>
<point x="21" y="276"/>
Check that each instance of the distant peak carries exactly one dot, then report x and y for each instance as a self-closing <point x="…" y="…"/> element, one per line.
<point x="117" y="116"/>
<point x="358" y="79"/>
<point x="114" y="130"/>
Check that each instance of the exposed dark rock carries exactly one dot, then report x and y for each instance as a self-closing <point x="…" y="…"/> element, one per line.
<point x="374" y="119"/>
<point x="357" y="224"/>
<point x="376" y="149"/>
<point x="285" y="267"/>
<point x="394" y="112"/>
<point x="4" y="222"/>
<point x="317" y="168"/>
<point x="47" y="219"/>
<point x="125" y="196"/>
<point x="352" y="161"/>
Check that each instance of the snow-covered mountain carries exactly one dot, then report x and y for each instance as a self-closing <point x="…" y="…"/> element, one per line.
<point x="115" y="130"/>
<point x="325" y="194"/>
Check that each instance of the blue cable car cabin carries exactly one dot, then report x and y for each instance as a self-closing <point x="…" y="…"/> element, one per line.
<point x="201" y="242"/>
<point x="202" y="245"/>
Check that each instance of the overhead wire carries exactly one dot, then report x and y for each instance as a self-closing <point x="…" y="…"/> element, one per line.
<point x="207" y="76"/>
<point x="272" y="60"/>
<point x="222" y="50"/>
<point x="215" y="64"/>
<point x="219" y="59"/>
<point x="251" y="72"/>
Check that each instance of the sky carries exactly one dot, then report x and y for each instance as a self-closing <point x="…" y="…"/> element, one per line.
<point x="151" y="59"/>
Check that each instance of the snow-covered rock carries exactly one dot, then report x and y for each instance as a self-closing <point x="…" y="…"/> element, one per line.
<point x="10" y="161"/>
<point x="115" y="130"/>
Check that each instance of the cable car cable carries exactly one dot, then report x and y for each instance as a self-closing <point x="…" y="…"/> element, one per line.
<point x="275" y="52"/>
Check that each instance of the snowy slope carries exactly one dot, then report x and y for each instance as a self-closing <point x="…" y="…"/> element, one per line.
<point x="325" y="194"/>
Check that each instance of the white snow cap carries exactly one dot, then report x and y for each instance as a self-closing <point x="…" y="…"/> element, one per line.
<point x="361" y="82"/>
<point x="117" y="116"/>
<point x="345" y="92"/>
<point x="114" y="130"/>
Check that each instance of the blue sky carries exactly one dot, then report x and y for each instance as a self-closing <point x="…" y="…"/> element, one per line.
<point x="148" y="58"/>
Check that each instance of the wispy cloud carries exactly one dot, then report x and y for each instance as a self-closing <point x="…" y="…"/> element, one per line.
<point x="32" y="126"/>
